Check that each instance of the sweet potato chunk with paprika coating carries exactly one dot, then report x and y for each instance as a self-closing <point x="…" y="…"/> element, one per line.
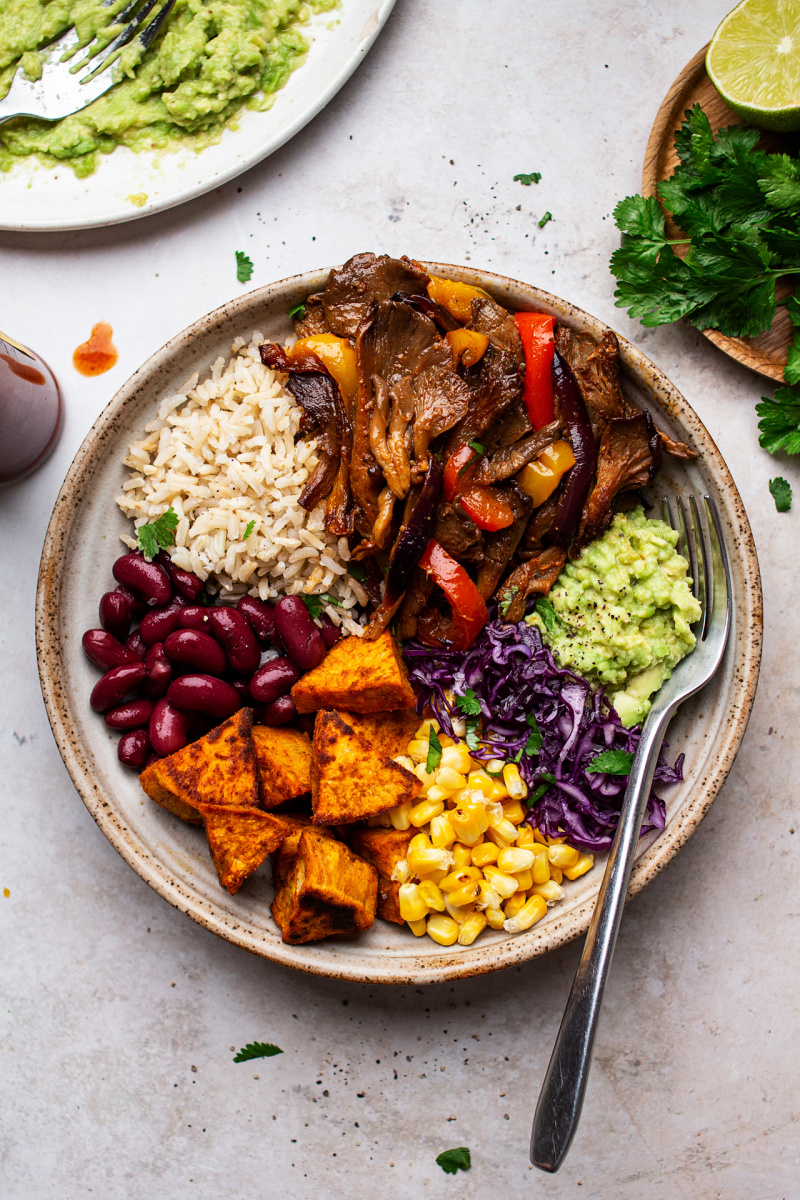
<point x="357" y="676"/>
<point x="284" y="764"/>
<point x="350" y="780"/>
<point x="325" y="890"/>
<point x="387" y="733"/>
<point x="240" y="839"/>
<point x="219" y="768"/>
<point x="384" y="848"/>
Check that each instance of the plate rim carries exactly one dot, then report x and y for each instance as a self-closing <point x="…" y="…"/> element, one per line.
<point x="476" y="960"/>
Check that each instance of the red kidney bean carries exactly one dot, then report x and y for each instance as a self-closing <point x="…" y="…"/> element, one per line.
<point x="331" y="633"/>
<point x="137" y="606"/>
<point x="136" y="644"/>
<point x="198" y="650"/>
<point x="135" y="714"/>
<point x="307" y="723"/>
<point x="205" y="694"/>
<point x="260" y="616"/>
<point x="134" y="748"/>
<point x="160" y="622"/>
<point x="273" y="679"/>
<point x="114" y="686"/>
<point x="106" y="651"/>
<point x="238" y="639"/>
<point x="185" y="582"/>
<point x="159" y="671"/>
<point x="280" y="712"/>
<point x="169" y="728"/>
<point x="116" y="614"/>
<point x="145" y="579"/>
<point x="242" y="686"/>
<point x="195" y="616"/>
<point x="299" y="634"/>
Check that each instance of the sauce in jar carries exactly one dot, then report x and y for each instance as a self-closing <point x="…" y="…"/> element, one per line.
<point x="31" y="411"/>
<point x="98" y="354"/>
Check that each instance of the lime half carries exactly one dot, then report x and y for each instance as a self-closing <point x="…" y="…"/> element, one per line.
<point x="754" y="63"/>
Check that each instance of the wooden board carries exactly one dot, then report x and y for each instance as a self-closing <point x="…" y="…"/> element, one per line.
<point x="766" y="353"/>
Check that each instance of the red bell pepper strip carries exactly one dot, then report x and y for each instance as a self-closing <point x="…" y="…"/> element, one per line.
<point x="487" y="507"/>
<point x="469" y="607"/>
<point x="536" y="331"/>
<point x="456" y="475"/>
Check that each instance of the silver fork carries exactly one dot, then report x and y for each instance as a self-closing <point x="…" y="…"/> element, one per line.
<point x="561" y="1097"/>
<point x="71" y="79"/>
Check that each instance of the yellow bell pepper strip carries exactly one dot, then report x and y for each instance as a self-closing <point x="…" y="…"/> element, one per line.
<point x="337" y="355"/>
<point x="455" y="297"/>
<point x="468" y="345"/>
<point x="540" y="478"/>
<point x="536" y="332"/>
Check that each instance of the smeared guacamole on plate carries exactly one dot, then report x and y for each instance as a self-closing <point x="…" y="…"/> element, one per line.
<point x="210" y="61"/>
<point x="623" y="612"/>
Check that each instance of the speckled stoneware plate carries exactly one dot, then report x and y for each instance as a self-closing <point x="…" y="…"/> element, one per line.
<point x="79" y="550"/>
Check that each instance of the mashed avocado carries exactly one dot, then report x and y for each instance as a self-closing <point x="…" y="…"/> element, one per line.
<point x="624" y="610"/>
<point x="210" y="61"/>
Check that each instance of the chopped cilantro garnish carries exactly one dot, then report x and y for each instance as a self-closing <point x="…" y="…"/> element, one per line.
<point x="257" y="1050"/>
<point x="357" y="571"/>
<point x="478" y="447"/>
<point x="471" y="734"/>
<point x="527" y="180"/>
<point x="781" y="491"/>
<point x="454" y="1160"/>
<point x="780" y="421"/>
<point x="534" y="742"/>
<point x="250" y="527"/>
<point x="434" y="752"/>
<point x="315" y="604"/>
<point x="299" y="310"/>
<point x="548" y="216"/>
<point x="158" y="534"/>
<point x="507" y="601"/>
<point x="548" y="615"/>
<point x="611" y="762"/>
<point x="547" y="782"/>
<point x="244" y="267"/>
<point x="469" y="703"/>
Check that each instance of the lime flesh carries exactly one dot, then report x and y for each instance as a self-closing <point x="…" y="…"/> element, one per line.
<point x="754" y="63"/>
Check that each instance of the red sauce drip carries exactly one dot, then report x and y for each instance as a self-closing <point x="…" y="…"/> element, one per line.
<point x="23" y="371"/>
<point x="97" y="355"/>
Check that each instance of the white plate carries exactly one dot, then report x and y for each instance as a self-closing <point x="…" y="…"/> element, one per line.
<point x="37" y="197"/>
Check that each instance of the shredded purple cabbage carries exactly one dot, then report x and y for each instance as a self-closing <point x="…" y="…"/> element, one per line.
<point x="512" y="674"/>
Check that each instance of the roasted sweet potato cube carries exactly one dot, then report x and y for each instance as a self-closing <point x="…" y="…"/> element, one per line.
<point x="284" y="764"/>
<point x="384" y="848"/>
<point x="219" y="768"/>
<point x="387" y="733"/>
<point x="240" y="839"/>
<point x="357" y="676"/>
<point x="322" y="889"/>
<point x="350" y="780"/>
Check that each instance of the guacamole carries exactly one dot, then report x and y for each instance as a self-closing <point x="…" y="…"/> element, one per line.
<point x="623" y="612"/>
<point x="209" y="62"/>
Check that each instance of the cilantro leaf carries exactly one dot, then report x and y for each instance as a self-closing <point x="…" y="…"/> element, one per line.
<point x="791" y="372"/>
<point x="780" y="182"/>
<point x="548" y="216"/>
<point x="611" y="762"/>
<point x="779" y="422"/>
<point x="527" y="180"/>
<point x="469" y="703"/>
<point x="478" y="447"/>
<point x="244" y="267"/>
<point x="434" y="752"/>
<point x="507" y="601"/>
<point x="315" y="604"/>
<point x="299" y="310"/>
<point x="257" y="1050"/>
<point x="471" y="735"/>
<point x="158" y="534"/>
<point x="548" y="781"/>
<point x="454" y="1160"/>
<point x="781" y="491"/>
<point x="548" y="616"/>
<point x="534" y="742"/>
<point x="357" y="571"/>
<point x="250" y="527"/>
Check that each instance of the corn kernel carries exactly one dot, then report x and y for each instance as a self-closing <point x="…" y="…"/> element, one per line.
<point x="495" y="917"/>
<point x="495" y="766"/>
<point x="457" y="759"/>
<point x="532" y="911"/>
<point x="563" y="856"/>
<point x="524" y="880"/>
<point x="487" y="852"/>
<point x="442" y="833"/>
<point x="479" y="781"/>
<point x="550" y="892"/>
<point x="556" y="874"/>
<point x="504" y="885"/>
<point x="437" y="794"/>
<point x="403" y="760"/>
<point x="401" y="871"/>
<point x="449" y="780"/>
<point x="462" y="856"/>
<point x="400" y="815"/>
<point x="487" y="897"/>
<point x="503" y="834"/>
<point x="418" y="750"/>
<point x="513" y="905"/>
<point x="517" y="787"/>
<point x="444" y="742"/>
<point x="539" y="837"/>
<point x="418" y="928"/>
<point x="458" y="877"/>
<point x="584" y="864"/>
<point x="420" y="841"/>
<point x="412" y="906"/>
<point x="459" y="726"/>
<point x="380" y="819"/>
<point x="470" y="893"/>
<point x="424" y="732"/>
<point x="471" y="926"/>
<point x="555" y="841"/>
<point x="513" y="859"/>
<point x="437" y="876"/>
<point x="469" y="822"/>
<point x="525" y="838"/>
<point x="426" y="810"/>
<point x="459" y="913"/>
<point x="514" y="811"/>
<point x="431" y="895"/>
<point x="423" y="862"/>
<point x="541" y="865"/>
<point x="442" y="929"/>
<point x="499" y="790"/>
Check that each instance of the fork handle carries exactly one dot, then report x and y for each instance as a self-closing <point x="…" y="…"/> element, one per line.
<point x="561" y="1097"/>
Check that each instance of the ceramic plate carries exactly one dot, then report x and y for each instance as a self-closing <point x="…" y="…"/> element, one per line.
<point x="33" y="196"/>
<point x="82" y="543"/>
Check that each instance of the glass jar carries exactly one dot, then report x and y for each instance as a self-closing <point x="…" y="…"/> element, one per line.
<point x="31" y="411"/>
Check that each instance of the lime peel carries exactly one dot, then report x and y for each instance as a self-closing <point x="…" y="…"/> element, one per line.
<point x="754" y="63"/>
